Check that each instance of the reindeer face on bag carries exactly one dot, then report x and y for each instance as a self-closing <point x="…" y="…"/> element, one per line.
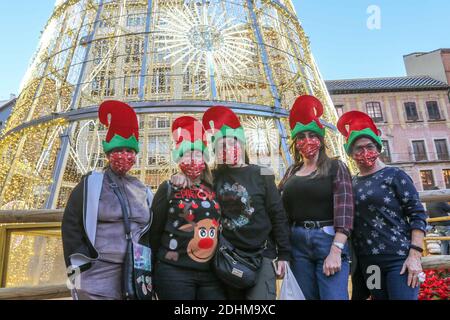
<point x="197" y="223"/>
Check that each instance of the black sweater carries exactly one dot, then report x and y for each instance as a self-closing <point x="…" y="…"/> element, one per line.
<point x="185" y="226"/>
<point x="252" y="210"/>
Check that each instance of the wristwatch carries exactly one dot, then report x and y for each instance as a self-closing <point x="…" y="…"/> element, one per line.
<point x="339" y="245"/>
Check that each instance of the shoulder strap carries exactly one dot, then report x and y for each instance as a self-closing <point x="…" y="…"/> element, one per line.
<point x="92" y="192"/>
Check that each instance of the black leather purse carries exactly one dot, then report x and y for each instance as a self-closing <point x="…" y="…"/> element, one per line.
<point x="236" y="268"/>
<point x="137" y="270"/>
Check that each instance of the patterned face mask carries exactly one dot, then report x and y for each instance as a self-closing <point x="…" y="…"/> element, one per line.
<point x="231" y="155"/>
<point x="366" y="158"/>
<point x="308" y="147"/>
<point x="193" y="168"/>
<point x="229" y="152"/>
<point x="122" y="161"/>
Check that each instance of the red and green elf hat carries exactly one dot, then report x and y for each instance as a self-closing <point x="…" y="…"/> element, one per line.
<point x="188" y="134"/>
<point x="359" y="125"/>
<point x="123" y="127"/>
<point x="305" y="116"/>
<point x="223" y="122"/>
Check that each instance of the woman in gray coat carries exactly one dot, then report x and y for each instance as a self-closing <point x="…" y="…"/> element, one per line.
<point x="93" y="230"/>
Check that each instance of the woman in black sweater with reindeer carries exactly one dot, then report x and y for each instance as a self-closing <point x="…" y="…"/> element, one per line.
<point x="185" y="224"/>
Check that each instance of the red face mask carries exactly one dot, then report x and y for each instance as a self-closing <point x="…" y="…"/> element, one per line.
<point x="122" y="161"/>
<point x="192" y="169"/>
<point x="230" y="154"/>
<point x="308" y="147"/>
<point x="366" y="158"/>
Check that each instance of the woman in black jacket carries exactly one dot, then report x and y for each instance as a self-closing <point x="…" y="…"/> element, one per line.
<point x="253" y="218"/>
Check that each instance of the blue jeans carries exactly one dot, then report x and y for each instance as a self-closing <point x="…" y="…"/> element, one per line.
<point x="310" y="248"/>
<point x="393" y="285"/>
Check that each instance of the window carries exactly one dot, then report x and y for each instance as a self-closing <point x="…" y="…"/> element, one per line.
<point x="427" y="179"/>
<point x="420" y="153"/>
<point x="411" y="111"/>
<point x="340" y="109"/>
<point x="135" y="20"/>
<point x="159" y="123"/>
<point x="134" y="50"/>
<point x="161" y="80"/>
<point x="187" y="81"/>
<point x="446" y="173"/>
<point x="386" y="155"/>
<point x="441" y="149"/>
<point x="374" y="111"/>
<point x="158" y="149"/>
<point x="103" y="84"/>
<point x="131" y="82"/>
<point x="433" y="110"/>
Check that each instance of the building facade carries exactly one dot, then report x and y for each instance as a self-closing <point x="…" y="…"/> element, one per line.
<point x="5" y="110"/>
<point x="413" y="115"/>
<point x="435" y="64"/>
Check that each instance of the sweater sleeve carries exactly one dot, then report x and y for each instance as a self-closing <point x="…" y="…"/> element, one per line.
<point x="278" y="218"/>
<point x="160" y="207"/>
<point x="407" y="194"/>
<point x="343" y="200"/>
<point x="72" y="228"/>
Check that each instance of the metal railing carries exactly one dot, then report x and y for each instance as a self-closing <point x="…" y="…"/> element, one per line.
<point x="35" y="220"/>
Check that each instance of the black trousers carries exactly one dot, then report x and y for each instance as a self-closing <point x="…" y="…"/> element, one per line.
<point x="265" y="288"/>
<point x="175" y="283"/>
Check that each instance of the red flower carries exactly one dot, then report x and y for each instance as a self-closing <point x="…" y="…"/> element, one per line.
<point x="436" y="285"/>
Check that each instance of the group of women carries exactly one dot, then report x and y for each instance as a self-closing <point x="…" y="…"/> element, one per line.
<point x="305" y="222"/>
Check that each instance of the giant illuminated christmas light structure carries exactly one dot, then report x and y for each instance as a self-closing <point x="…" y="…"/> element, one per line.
<point x="166" y="58"/>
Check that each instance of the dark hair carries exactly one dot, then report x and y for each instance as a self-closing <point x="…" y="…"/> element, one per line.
<point x="207" y="175"/>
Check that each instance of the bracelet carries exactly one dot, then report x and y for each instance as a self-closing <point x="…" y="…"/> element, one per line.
<point x="417" y="248"/>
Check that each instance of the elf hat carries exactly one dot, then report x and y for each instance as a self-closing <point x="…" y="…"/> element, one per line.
<point x="188" y="134"/>
<point x="305" y="116"/>
<point x="359" y="125"/>
<point x="123" y="128"/>
<point x="223" y="122"/>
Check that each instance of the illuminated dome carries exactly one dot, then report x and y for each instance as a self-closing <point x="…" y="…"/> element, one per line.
<point x="166" y="58"/>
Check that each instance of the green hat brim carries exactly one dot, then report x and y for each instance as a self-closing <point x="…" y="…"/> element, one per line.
<point x="120" y="142"/>
<point x="355" y="135"/>
<point x="186" y="146"/>
<point x="312" y="126"/>
<point x="226" y="132"/>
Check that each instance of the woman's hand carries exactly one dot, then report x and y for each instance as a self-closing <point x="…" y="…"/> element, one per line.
<point x="414" y="265"/>
<point x="333" y="262"/>
<point x="281" y="269"/>
<point x="179" y="180"/>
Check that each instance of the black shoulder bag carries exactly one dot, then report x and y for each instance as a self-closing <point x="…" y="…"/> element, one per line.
<point x="137" y="270"/>
<point x="235" y="267"/>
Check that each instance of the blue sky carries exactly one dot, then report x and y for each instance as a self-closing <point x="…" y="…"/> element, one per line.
<point x="343" y="45"/>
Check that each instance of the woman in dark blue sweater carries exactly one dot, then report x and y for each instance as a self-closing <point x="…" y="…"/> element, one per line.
<point x="390" y="221"/>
